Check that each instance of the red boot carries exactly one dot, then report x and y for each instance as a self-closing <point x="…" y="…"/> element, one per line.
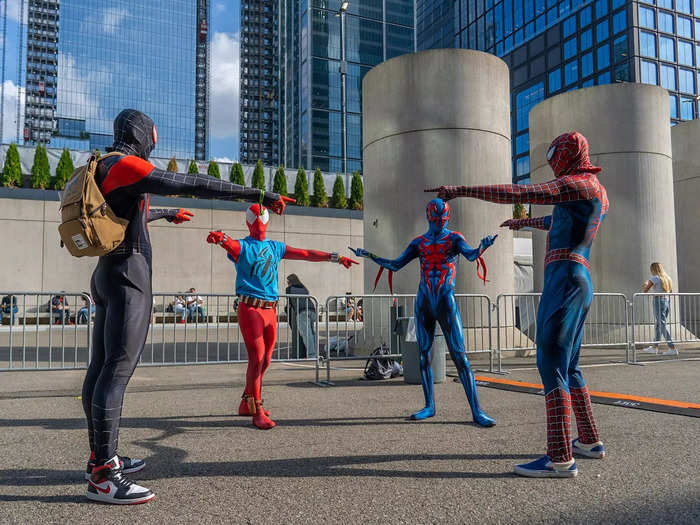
<point x="247" y="406"/>
<point x="260" y="419"/>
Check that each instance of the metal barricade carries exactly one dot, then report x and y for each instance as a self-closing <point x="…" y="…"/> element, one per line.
<point x="45" y="330"/>
<point x="606" y="327"/>
<point x="358" y="324"/>
<point x="663" y="318"/>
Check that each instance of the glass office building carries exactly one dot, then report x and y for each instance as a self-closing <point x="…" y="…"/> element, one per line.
<point x="554" y="46"/>
<point x="89" y="59"/>
<point x="310" y="78"/>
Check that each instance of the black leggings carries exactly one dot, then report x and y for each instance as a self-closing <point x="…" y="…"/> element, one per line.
<point x="121" y="289"/>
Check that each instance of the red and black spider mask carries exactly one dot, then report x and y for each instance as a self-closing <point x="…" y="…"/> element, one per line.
<point x="134" y="134"/>
<point x="568" y="154"/>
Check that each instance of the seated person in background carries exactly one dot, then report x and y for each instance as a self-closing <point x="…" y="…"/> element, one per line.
<point x="349" y="306"/>
<point x="8" y="306"/>
<point x="60" y="309"/>
<point x="180" y="308"/>
<point x="358" y="311"/>
<point x="195" y="306"/>
<point x="86" y="310"/>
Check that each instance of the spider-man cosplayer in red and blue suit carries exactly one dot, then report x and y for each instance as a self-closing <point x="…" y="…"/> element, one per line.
<point x="580" y="204"/>
<point x="439" y="250"/>
<point x="257" y="261"/>
<point x="121" y="289"/>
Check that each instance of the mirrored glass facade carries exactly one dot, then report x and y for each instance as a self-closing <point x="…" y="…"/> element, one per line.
<point x="553" y="46"/>
<point x="89" y="59"/>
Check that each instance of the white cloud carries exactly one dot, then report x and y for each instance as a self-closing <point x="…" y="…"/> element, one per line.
<point x="112" y="18"/>
<point x="223" y="159"/>
<point x="219" y="7"/>
<point x="9" y="123"/>
<point x="224" y="84"/>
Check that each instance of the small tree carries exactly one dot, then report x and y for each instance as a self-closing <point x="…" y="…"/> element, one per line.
<point x="63" y="171"/>
<point x="41" y="173"/>
<point x="301" y="188"/>
<point x="12" y="171"/>
<point x="236" y="174"/>
<point x="280" y="183"/>
<point x="338" y="199"/>
<point x="519" y="211"/>
<point x="356" y="192"/>
<point x="320" y="199"/>
<point x="213" y="169"/>
<point x="172" y="165"/>
<point x="193" y="167"/>
<point x="258" y="176"/>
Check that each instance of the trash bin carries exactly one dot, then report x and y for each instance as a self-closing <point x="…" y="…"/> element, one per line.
<point x="405" y="328"/>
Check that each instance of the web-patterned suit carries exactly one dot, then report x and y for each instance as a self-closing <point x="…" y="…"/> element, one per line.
<point x="580" y="204"/>
<point x="438" y="250"/>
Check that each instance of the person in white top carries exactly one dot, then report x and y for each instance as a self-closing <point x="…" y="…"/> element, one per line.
<point x="660" y="283"/>
<point x="195" y="306"/>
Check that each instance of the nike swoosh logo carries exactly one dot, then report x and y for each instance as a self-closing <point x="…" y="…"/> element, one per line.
<point x="103" y="491"/>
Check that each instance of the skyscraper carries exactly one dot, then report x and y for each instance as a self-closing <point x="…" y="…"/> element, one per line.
<point x="89" y="59"/>
<point x="291" y="76"/>
<point x="553" y="46"/>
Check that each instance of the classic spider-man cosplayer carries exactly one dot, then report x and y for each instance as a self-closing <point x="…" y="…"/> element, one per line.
<point x="257" y="260"/>
<point x="580" y="204"/>
<point x="121" y="289"/>
<point x="439" y="250"/>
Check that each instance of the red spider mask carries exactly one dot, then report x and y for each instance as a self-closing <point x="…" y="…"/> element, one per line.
<point x="568" y="154"/>
<point x="257" y="218"/>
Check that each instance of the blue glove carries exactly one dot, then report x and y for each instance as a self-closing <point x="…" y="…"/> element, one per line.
<point x="488" y="241"/>
<point x="359" y="252"/>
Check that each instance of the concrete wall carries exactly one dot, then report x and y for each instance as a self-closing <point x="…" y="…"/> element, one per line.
<point x="686" y="186"/>
<point x="627" y="127"/>
<point x="430" y="118"/>
<point x="34" y="261"/>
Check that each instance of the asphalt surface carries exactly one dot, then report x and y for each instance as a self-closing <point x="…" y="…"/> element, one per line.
<point x="346" y="454"/>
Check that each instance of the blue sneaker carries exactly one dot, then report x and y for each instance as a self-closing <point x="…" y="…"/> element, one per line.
<point x="594" y="450"/>
<point x="544" y="468"/>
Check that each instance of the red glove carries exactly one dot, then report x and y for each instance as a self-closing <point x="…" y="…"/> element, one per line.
<point x="346" y="261"/>
<point x="278" y="206"/>
<point x="512" y="224"/>
<point x="182" y="215"/>
<point x="445" y="193"/>
<point x="216" y="237"/>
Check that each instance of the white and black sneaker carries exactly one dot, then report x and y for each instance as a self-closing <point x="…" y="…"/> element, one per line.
<point x="128" y="465"/>
<point x="107" y="484"/>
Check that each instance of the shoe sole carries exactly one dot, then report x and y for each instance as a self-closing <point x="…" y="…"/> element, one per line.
<point x="125" y="471"/>
<point x="106" y="499"/>
<point x="545" y="473"/>
<point x="589" y="453"/>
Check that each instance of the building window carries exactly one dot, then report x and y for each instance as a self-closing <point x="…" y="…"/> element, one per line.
<point x="683" y="6"/>
<point x="673" y="106"/>
<point x="584" y="17"/>
<point x="647" y="44"/>
<point x="601" y="8"/>
<point x="619" y="21"/>
<point x="522" y="167"/>
<point x="646" y="18"/>
<point x="569" y="48"/>
<point x="666" y="49"/>
<point x="665" y="22"/>
<point x="569" y="26"/>
<point x="604" y="78"/>
<point x="602" y="31"/>
<point x="668" y="77"/>
<point x="686" y="81"/>
<point x="685" y="53"/>
<point x="524" y="101"/>
<point x="620" y="49"/>
<point x="586" y="65"/>
<point x="603" y="57"/>
<point x="571" y="72"/>
<point x="622" y="72"/>
<point x="554" y="80"/>
<point x="522" y="144"/>
<point x="668" y="4"/>
<point x="649" y="72"/>
<point x="687" y="108"/>
<point x="684" y="27"/>
<point x="617" y="3"/>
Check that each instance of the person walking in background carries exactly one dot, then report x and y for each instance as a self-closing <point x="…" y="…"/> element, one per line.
<point x="660" y="283"/>
<point x="302" y="318"/>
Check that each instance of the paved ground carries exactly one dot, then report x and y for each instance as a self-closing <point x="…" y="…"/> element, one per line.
<point x="346" y="454"/>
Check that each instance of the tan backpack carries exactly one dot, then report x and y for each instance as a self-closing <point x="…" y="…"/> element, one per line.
<point x="88" y="226"/>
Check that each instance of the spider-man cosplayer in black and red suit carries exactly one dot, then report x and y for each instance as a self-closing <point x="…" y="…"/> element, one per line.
<point x="121" y="289"/>
<point x="257" y="260"/>
<point x="439" y="250"/>
<point x="580" y="204"/>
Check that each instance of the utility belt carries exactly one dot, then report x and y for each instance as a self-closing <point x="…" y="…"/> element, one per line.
<point x="564" y="254"/>
<point x="257" y="303"/>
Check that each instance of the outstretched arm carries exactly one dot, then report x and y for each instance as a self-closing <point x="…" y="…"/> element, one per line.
<point x="541" y="223"/>
<point x="472" y="254"/>
<point x="301" y="254"/>
<point x="562" y="189"/>
<point x="176" y="215"/>
<point x="232" y="246"/>
<point x="137" y="176"/>
<point x="394" y="265"/>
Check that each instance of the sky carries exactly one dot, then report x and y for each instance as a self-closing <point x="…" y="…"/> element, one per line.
<point x="224" y="75"/>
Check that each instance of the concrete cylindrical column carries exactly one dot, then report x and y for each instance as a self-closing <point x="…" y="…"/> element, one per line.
<point x="627" y="127"/>
<point x="430" y="118"/>
<point x="686" y="186"/>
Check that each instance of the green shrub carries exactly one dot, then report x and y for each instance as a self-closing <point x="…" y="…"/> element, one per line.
<point x="320" y="199"/>
<point x="12" y="171"/>
<point x="213" y="169"/>
<point x="258" y="176"/>
<point x="172" y="165"/>
<point x="356" y="192"/>
<point x="280" y="183"/>
<point x="41" y="173"/>
<point x="236" y="174"/>
<point x="63" y="171"/>
<point x="301" y="188"/>
<point x="338" y="199"/>
<point x="193" y="167"/>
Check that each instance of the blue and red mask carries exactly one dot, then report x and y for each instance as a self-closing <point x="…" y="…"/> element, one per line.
<point x="438" y="215"/>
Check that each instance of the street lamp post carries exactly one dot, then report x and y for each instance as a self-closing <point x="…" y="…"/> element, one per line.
<point x="343" y="72"/>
